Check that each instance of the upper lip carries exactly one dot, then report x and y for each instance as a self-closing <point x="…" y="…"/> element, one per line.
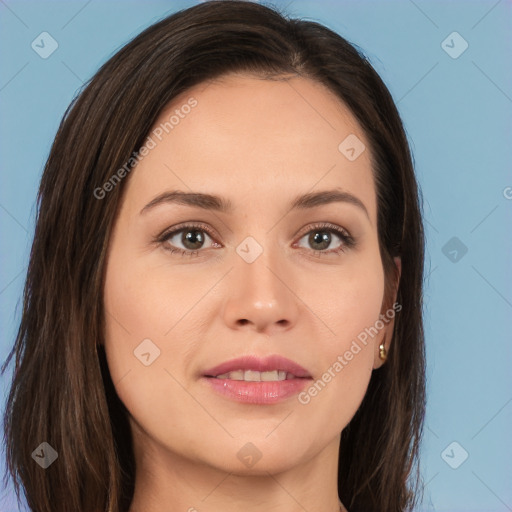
<point x="258" y="364"/>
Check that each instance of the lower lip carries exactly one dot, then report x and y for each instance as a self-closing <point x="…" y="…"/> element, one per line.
<point x="258" y="392"/>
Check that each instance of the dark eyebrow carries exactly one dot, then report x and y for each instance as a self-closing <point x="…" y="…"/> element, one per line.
<point x="194" y="199"/>
<point x="219" y="204"/>
<point x="326" y="197"/>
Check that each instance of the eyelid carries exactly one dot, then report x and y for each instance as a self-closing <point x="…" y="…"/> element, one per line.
<point x="323" y="225"/>
<point x="186" y="225"/>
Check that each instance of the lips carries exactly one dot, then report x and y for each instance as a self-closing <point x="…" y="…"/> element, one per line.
<point x="256" y="380"/>
<point x="254" y="369"/>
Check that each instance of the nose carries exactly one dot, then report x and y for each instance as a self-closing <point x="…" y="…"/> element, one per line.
<point x="260" y="295"/>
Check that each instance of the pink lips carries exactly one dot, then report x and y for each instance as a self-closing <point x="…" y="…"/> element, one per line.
<point x="264" y="392"/>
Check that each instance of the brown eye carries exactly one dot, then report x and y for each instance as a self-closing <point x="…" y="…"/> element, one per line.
<point x="187" y="240"/>
<point x="323" y="236"/>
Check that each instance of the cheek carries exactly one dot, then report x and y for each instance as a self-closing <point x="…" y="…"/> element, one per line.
<point x="136" y="319"/>
<point x="143" y="300"/>
<point x="150" y="308"/>
<point x="344" y="301"/>
<point x="138" y="314"/>
<point x="350" y="307"/>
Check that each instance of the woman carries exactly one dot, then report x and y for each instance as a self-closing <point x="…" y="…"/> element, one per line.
<point x="223" y="307"/>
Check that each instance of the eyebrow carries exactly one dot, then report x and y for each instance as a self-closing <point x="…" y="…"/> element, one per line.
<point x="223" y="205"/>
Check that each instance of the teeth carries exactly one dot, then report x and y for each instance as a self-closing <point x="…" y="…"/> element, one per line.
<point x="254" y="376"/>
<point x="269" y="376"/>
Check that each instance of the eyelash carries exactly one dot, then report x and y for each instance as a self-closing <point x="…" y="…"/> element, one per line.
<point x="348" y="241"/>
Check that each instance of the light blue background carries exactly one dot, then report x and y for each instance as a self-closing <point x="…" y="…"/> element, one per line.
<point x="457" y="113"/>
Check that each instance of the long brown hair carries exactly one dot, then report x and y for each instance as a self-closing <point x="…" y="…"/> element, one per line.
<point x="62" y="392"/>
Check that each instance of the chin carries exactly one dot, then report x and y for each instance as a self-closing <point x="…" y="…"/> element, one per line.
<point x="257" y="457"/>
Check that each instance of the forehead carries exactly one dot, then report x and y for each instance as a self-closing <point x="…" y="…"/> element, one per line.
<point x="247" y="138"/>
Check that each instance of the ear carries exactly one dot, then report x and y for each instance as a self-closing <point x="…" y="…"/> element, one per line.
<point x="387" y="314"/>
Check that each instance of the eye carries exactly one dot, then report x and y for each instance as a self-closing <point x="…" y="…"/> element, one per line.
<point x="192" y="237"/>
<point x="321" y="237"/>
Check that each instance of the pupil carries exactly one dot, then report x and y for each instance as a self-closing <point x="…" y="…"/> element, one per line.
<point x="324" y="238"/>
<point x="193" y="237"/>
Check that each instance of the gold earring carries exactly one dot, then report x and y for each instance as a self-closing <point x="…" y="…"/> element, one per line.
<point x="383" y="354"/>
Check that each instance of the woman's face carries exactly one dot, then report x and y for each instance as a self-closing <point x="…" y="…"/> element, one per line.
<point x="266" y="278"/>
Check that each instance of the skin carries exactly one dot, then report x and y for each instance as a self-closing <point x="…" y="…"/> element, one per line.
<point x="260" y="144"/>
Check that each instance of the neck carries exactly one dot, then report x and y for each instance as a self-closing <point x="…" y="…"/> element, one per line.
<point x="167" y="481"/>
